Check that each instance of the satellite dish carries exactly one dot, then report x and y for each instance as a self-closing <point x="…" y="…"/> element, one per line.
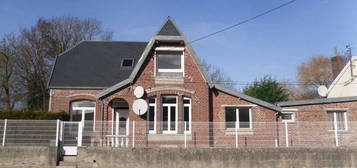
<point x="140" y="106"/>
<point x="139" y="92"/>
<point x="322" y="90"/>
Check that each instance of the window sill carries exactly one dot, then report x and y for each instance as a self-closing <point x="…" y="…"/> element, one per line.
<point x="289" y="122"/>
<point x="341" y="131"/>
<point x="168" y="137"/>
<point x="241" y="131"/>
<point x="169" y="80"/>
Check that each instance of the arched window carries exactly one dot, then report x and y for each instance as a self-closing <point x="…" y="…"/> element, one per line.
<point x="82" y="110"/>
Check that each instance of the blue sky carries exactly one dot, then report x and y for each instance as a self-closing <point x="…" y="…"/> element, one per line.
<point x="274" y="44"/>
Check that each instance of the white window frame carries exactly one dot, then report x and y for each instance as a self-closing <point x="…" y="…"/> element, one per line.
<point x="293" y="115"/>
<point x="155" y="111"/>
<point x="169" y="105"/>
<point x="237" y="115"/>
<point x="189" y="114"/>
<point x="335" y="119"/>
<point x="182" y="69"/>
<point x="83" y="110"/>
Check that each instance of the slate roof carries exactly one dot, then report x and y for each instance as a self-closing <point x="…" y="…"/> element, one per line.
<point x="317" y="101"/>
<point x="248" y="98"/>
<point x="94" y="64"/>
<point x="169" y="29"/>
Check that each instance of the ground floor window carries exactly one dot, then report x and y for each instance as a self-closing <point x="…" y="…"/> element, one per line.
<point x="340" y="117"/>
<point x="169" y="114"/>
<point x="288" y="116"/>
<point x="82" y="110"/>
<point x="187" y="116"/>
<point x="151" y="117"/>
<point x="241" y="115"/>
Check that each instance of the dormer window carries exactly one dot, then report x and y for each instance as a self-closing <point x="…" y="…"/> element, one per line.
<point x="127" y="62"/>
<point x="169" y="62"/>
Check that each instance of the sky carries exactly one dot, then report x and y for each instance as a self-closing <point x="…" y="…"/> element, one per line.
<point x="274" y="44"/>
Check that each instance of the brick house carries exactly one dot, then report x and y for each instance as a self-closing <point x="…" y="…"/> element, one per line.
<point x="315" y="120"/>
<point x="95" y="81"/>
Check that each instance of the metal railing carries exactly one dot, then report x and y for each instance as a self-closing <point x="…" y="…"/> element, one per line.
<point x="176" y="134"/>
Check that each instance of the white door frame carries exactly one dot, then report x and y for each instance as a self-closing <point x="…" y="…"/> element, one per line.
<point x="116" y="132"/>
<point x="169" y="105"/>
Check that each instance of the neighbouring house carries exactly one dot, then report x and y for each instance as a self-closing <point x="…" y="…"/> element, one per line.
<point x="345" y="84"/>
<point x="95" y="81"/>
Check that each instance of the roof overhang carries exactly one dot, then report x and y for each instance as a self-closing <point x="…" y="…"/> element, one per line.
<point x="317" y="101"/>
<point x="248" y="98"/>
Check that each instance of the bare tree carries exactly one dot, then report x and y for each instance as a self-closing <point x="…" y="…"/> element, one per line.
<point x="10" y="89"/>
<point x="217" y="75"/>
<point x="311" y="74"/>
<point x="41" y="43"/>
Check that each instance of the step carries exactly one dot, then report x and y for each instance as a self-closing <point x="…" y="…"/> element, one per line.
<point x="66" y="166"/>
<point x="70" y="159"/>
<point x="68" y="162"/>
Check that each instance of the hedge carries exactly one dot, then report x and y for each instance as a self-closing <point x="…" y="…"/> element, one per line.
<point x="33" y="115"/>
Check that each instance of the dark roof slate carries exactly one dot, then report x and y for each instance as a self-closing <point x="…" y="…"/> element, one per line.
<point x="248" y="98"/>
<point x="94" y="64"/>
<point x="169" y="29"/>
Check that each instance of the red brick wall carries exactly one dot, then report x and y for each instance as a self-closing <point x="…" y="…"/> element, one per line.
<point x="263" y="132"/>
<point x="312" y="127"/>
<point x="60" y="99"/>
<point x="317" y="112"/>
<point x="193" y="80"/>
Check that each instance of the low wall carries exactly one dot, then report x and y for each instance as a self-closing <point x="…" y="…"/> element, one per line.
<point x="213" y="158"/>
<point x="28" y="157"/>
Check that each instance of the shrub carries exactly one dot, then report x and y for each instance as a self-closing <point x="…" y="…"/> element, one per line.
<point x="33" y="115"/>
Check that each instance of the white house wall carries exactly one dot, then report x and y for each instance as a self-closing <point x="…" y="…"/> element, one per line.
<point x="345" y="84"/>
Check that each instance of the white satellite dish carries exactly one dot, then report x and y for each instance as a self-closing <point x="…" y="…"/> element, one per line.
<point x="140" y="106"/>
<point x="139" y="92"/>
<point x="322" y="90"/>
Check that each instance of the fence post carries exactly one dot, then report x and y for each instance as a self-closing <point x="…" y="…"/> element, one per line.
<point x="184" y="132"/>
<point x="286" y="134"/>
<point x="236" y="134"/>
<point x="4" y="133"/>
<point x="133" y="133"/>
<point x="79" y="143"/>
<point x="336" y="128"/>
<point x="57" y="132"/>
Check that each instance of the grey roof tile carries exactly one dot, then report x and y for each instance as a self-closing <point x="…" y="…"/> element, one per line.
<point x="94" y="64"/>
<point x="169" y="29"/>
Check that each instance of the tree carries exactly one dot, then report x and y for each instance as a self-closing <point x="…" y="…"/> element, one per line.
<point x="267" y="89"/>
<point x="10" y="91"/>
<point x="41" y="43"/>
<point x="217" y="75"/>
<point x="311" y="74"/>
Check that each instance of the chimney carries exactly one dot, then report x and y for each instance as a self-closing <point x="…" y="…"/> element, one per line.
<point x="337" y="63"/>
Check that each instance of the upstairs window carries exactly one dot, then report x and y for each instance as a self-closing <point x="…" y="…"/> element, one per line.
<point x="169" y="62"/>
<point x="127" y="62"/>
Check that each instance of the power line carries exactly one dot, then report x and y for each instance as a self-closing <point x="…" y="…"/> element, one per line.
<point x="244" y="21"/>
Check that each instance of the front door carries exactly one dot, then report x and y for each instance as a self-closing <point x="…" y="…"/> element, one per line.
<point x="121" y="127"/>
<point x="78" y="131"/>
